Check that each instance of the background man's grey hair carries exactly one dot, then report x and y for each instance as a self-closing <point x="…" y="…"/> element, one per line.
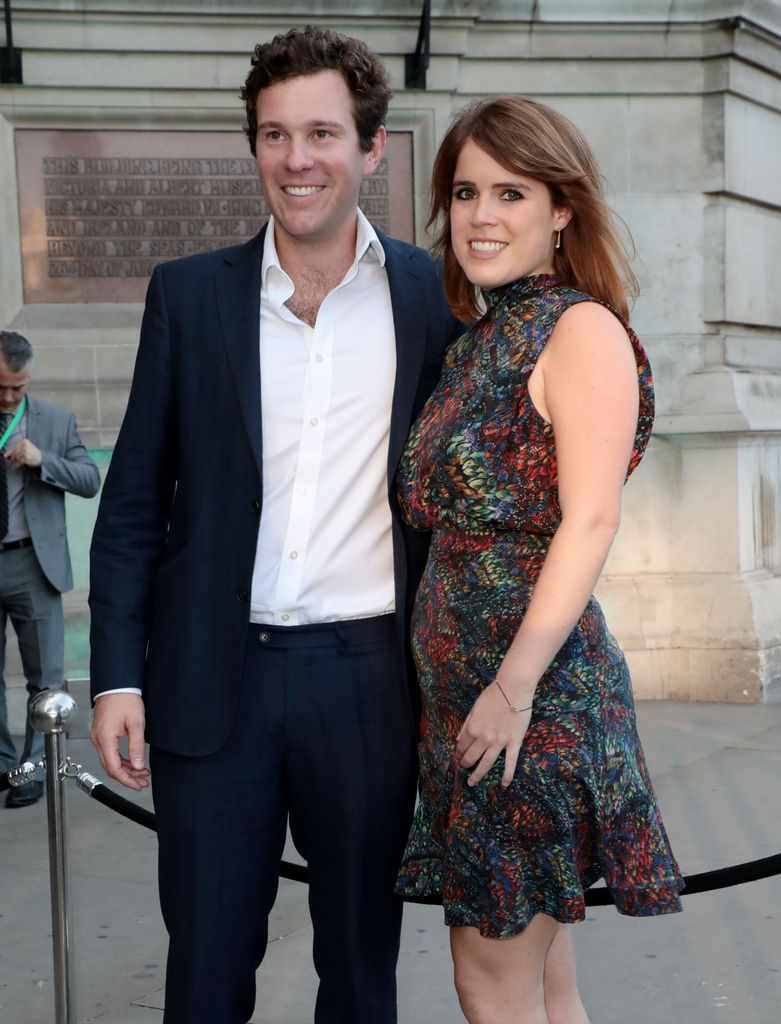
<point x="17" y="352"/>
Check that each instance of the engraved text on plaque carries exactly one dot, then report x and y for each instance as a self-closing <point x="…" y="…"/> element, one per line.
<point x="101" y="209"/>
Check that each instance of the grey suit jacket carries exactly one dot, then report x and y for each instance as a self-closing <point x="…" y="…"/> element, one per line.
<point x="65" y="466"/>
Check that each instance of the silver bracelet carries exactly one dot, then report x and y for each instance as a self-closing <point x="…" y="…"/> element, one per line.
<point x="512" y="707"/>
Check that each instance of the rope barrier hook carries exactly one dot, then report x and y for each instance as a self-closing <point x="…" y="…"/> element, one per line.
<point x="25" y="772"/>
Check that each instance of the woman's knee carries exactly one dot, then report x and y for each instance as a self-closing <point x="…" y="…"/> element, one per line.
<point x="474" y="988"/>
<point x="500" y="980"/>
<point x="483" y="1001"/>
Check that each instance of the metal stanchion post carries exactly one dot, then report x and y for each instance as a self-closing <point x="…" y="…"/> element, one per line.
<point x="49" y="712"/>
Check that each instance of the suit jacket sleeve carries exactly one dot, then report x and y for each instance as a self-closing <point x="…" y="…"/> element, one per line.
<point x="73" y="470"/>
<point x="130" y="530"/>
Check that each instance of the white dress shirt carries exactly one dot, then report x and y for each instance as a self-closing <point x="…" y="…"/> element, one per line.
<point x="324" y="549"/>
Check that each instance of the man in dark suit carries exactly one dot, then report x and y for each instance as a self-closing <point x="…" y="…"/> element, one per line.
<point x="42" y="458"/>
<point x="251" y="575"/>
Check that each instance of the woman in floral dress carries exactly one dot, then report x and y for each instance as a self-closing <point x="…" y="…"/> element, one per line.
<point x="533" y="780"/>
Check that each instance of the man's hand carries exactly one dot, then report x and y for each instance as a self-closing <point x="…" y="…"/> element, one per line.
<point x="25" y="453"/>
<point x="116" y="715"/>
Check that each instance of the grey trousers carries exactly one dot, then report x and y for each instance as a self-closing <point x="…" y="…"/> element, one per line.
<point x="35" y="610"/>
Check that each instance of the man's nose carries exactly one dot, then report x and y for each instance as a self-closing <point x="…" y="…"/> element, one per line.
<point x="299" y="155"/>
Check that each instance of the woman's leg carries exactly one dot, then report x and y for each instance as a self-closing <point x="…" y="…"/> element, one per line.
<point x="500" y="981"/>
<point x="562" y="999"/>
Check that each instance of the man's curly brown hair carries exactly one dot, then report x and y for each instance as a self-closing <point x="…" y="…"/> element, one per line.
<point x="309" y="50"/>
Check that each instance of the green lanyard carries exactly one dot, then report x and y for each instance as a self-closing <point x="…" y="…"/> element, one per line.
<point x="10" y="428"/>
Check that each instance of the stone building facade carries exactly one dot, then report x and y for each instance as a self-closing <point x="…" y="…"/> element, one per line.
<point x="682" y="102"/>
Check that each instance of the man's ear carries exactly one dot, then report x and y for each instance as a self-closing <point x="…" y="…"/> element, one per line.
<point x="373" y="157"/>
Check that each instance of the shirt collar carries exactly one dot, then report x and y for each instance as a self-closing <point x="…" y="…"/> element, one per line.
<point x="367" y="246"/>
<point x="367" y="239"/>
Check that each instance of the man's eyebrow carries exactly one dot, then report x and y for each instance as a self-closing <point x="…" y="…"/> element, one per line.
<point x="309" y="124"/>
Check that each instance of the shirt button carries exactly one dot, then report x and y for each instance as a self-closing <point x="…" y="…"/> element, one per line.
<point x="314" y="421"/>
<point x="294" y="555"/>
<point x="264" y="636"/>
<point x="284" y="616"/>
<point x="241" y="596"/>
<point x="305" y="489"/>
<point x="319" y="358"/>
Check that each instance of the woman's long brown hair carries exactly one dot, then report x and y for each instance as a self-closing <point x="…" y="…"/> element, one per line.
<point x="530" y="138"/>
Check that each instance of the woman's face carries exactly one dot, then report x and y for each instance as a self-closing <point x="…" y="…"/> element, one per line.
<point x="502" y="224"/>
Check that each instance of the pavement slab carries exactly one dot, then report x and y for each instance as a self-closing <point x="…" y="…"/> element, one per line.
<point x="717" y="772"/>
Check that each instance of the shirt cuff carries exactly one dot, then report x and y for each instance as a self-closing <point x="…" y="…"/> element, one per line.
<point x="121" y="689"/>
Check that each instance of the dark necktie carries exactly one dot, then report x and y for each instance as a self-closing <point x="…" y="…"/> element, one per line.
<point x="4" y="420"/>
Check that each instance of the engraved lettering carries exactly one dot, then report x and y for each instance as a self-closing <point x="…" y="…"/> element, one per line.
<point x="119" y="216"/>
<point x="116" y="216"/>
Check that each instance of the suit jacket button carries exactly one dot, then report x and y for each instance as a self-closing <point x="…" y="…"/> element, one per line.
<point x="241" y="596"/>
<point x="255" y="507"/>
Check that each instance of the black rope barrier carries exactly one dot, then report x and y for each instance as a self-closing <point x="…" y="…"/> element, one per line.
<point x="131" y="811"/>
<point x="704" y="881"/>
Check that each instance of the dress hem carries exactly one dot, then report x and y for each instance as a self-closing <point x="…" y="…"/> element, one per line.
<point x="632" y="902"/>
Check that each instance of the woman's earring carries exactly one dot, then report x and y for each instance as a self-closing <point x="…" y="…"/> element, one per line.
<point x="558" y="239"/>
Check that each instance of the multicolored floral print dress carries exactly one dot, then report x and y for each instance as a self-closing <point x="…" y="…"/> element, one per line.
<point x="479" y="470"/>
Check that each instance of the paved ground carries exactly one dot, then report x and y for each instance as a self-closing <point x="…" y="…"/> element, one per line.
<point x="717" y="769"/>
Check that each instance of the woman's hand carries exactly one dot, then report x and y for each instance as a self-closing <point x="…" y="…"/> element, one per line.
<point x="490" y="728"/>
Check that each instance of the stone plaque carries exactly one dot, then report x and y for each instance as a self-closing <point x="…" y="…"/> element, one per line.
<point x="100" y="209"/>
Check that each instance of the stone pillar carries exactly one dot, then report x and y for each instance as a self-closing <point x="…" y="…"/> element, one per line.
<point x="694" y="586"/>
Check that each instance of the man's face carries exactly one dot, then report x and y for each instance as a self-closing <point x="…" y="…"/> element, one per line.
<point x="310" y="163"/>
<point x="12" y="387"/>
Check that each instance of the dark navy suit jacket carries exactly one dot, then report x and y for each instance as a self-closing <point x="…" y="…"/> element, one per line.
<point x="174" y="543"/>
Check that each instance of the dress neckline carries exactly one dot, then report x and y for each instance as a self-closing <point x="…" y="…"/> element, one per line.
<point x="522" y="288"/>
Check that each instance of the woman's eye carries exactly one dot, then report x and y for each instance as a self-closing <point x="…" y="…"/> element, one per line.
<point x="464" y="193"/>
<point x="512" y="195"/>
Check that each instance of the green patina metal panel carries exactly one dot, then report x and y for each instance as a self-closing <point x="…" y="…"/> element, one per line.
<point x="81" y="515"/>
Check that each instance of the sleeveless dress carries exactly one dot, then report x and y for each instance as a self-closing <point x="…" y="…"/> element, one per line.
<point x="479" y="470"/>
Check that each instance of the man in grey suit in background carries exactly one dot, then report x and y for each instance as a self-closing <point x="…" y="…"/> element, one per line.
<point x="42" y="458"/>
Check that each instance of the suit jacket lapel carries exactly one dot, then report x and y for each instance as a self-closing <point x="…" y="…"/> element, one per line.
<point x="34" y="431"/>
<point x="408" y="302"/>
<point x="33" y="421"/>
<point x="238" y="299"/>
